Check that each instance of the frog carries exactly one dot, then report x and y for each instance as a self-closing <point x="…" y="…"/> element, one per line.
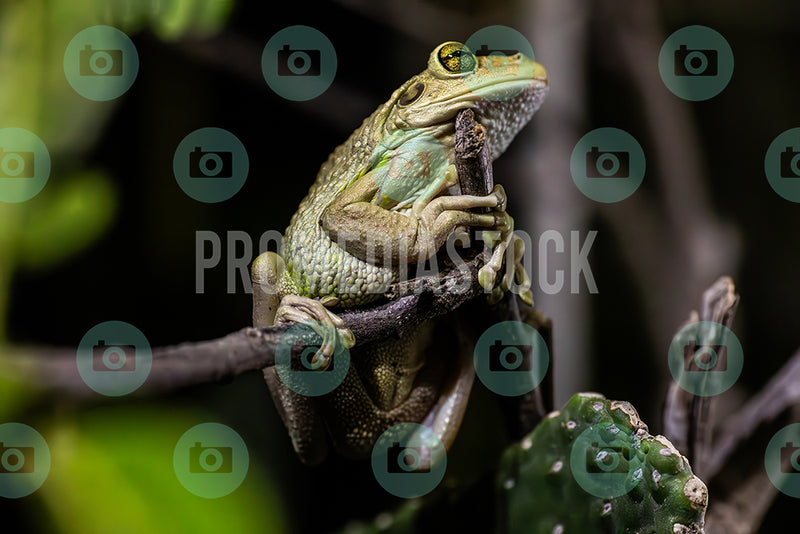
<point x="362" y="197"/>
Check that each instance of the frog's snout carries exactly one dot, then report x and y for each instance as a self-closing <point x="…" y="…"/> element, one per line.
<point x="539" y="72"/>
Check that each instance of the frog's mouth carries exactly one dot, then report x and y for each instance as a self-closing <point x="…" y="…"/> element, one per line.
<point x="503" y="117"/>
<point x="502" y="104"/>
<point x="530" y="80"/>
<point x="527" y="87"/>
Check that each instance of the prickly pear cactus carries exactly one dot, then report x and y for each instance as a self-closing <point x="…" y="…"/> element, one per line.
<point x="592" y="467"/>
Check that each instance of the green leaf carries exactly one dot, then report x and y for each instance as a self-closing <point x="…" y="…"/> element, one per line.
<point x="112" y="472"/>
<point x="65" y="218"/>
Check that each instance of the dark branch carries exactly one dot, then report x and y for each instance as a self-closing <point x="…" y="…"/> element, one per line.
<point x="728" y="452"/>
<point x="687" y="417"/>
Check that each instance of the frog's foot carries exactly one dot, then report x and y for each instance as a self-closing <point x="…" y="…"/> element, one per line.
<point x="450" y="179"/>
<point x="329" y="326"/>
<point x="445" y="214"/>
<point x="504" y="243"/>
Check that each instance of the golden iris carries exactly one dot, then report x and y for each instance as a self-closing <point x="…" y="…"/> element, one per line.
<point x="456" y="57"/>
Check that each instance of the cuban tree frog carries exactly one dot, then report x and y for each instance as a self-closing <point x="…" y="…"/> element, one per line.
<point x="364" y="199"/>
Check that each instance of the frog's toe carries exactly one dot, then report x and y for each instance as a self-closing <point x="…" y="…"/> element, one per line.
<point x="347" y="337"/>
<point x="495" y="296"/>
<point x="495" y="262"/>
<point x="527" y="297"/>
<point x="502" y="198"/>
<point x="329" y="300"/>
<point x="505" y="245"/>
<point x="508" y="277"/>
<point x="517" y="273"/>
<point x="524" y="283"/>
<point x="486" y="276"/>
<point x="329" y="326"/>
<point x="286" y="315"/>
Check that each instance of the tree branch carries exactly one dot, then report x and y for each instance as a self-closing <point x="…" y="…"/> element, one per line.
<point x="729" y="453"/>
<point x="688" y="417"/>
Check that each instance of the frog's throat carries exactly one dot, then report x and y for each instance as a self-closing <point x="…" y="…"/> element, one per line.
<point x="502" y="118"/>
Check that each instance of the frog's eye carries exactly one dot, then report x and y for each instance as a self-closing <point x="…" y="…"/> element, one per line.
<point x="412" y="94"/>
<point x="455" y="57"/>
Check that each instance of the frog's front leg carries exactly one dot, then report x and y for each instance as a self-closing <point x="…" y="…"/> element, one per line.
<point x="360" y="225"/>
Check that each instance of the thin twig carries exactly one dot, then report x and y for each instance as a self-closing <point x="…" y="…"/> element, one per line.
<point x="688" y="417"/>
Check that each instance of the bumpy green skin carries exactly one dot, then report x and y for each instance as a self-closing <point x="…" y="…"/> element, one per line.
<point x="538" y="493"/>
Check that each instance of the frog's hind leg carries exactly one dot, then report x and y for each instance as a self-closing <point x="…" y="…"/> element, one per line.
<point x="299" y="413"/>
<point x="270" y="283"/>
<point x="397" y="381"/>
<point x="301" y="418"/>
<point x="445" y="417"/>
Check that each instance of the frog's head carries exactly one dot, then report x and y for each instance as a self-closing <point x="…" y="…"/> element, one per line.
<point x="503" y="91"/>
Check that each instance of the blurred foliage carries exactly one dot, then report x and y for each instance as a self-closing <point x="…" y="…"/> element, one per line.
<point x="77" y="205"/>
<point x="69" y="216"/>
<point x="112" y="472"/>
<point x="111" y="467"/>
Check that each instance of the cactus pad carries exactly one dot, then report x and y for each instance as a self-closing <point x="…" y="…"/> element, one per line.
<point x="543" y="483"/>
